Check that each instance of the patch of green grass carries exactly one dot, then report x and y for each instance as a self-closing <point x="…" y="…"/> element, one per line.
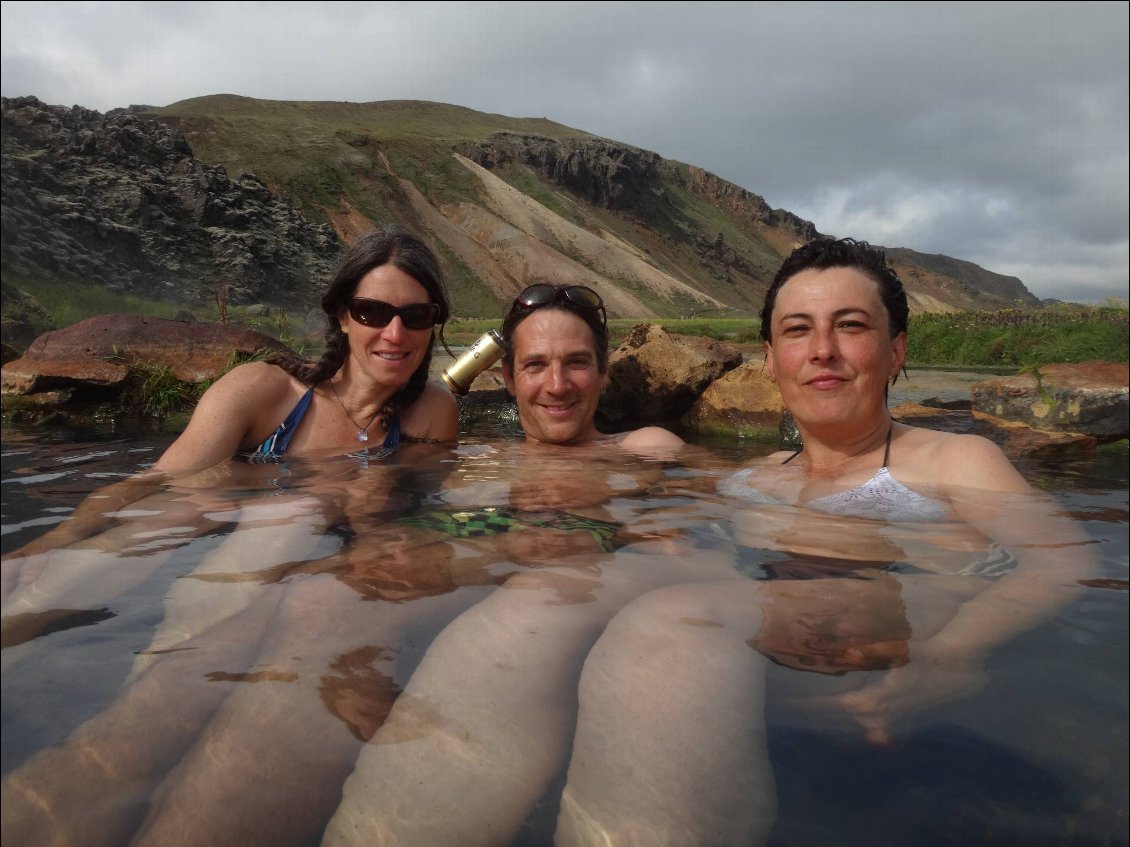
<point x="741" y="330"/>
<point x="711" y="221"/>
<point x="154" y="392"/>
<point x="317" y="152"/>
<point x="723" y="329"/>
<point x="1020" y="337"/>
<point x="434" y="171"/>
<point x="676" y="305"/>
<point x="70" y="302"/>
<point x="280" y="325"/>
<point x="530" y="184"/>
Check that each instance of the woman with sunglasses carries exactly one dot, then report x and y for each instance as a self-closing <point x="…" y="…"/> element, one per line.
<point x="370" y="385"/>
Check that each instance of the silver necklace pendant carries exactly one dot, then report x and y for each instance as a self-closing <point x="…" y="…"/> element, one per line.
<point x="362" y="434"/>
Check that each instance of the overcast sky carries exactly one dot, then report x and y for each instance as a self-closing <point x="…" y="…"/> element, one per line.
<point x="990" y="132"/>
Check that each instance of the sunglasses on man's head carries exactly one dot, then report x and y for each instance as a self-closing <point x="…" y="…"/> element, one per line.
<point x="579" y="297"/>
<point x="378" y="313"/>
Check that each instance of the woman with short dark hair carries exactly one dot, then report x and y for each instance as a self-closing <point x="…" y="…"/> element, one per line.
<point x="886" y="555"/>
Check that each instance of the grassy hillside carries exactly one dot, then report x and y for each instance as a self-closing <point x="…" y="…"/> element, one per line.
<point x="504" y="201"/>
<point x="358" y="164"/>
<point x="320" y="152"/>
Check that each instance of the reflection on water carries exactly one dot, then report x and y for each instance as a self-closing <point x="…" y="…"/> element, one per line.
<point x="209" y="668"/>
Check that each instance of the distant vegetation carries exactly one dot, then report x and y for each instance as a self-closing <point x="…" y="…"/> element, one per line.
<point x="67" y="303"/>
<point x="1007" y="338"/>
<point x="1020" y="337"/>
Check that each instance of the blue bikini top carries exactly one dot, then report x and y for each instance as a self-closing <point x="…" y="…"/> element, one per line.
<point x="275" y="445"/>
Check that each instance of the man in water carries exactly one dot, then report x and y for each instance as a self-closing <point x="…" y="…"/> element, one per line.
<point x="548" y="537"/>
<point x="485" y="722"/>
<point x="556" y="364"/>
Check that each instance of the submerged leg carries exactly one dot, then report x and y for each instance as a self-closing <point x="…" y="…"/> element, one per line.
<point x="49" y="586"/>
<point x="270" y="766"/>
<point x="95" y="569"/>
<point x="94" y="789"/>
<point x="269" y="534"/>
<point x="485" y="723"/>
<point x="670" y="745"/>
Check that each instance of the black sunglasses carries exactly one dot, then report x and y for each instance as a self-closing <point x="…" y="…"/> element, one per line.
<point x="378" y="313"/>
<point x="579" y="297"/>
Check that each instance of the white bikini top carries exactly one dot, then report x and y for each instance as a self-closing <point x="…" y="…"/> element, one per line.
<point x="880" y="498"/>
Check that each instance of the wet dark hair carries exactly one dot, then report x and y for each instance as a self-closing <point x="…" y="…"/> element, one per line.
<point x="591" y="317"/>
<point x="389" y="245"/>
<point x="827" y="253"/>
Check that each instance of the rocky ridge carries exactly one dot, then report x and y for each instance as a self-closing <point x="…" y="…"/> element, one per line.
<point x="402" y="159"/>
<point x="221" y="194"/>
<point x="120" y="201"/>
<point x="603" y="173"/>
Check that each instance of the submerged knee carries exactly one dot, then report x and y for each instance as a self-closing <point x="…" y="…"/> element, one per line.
<point x="692" y="604"/>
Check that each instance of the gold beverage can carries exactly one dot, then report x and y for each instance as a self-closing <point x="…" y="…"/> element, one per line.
<point x="479" y="356"/>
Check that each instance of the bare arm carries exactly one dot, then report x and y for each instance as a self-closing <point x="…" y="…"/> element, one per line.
<point x="230" y="415"/>
<point x="92" y="515"/>
<point x="1052" y="554"/>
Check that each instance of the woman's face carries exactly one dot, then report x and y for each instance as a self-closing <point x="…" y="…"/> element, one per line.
<point x="832" y="354"/>
<point x="389" y="355"/>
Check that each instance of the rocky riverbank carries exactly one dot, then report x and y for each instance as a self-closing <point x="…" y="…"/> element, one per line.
<point x="698" y="385"/>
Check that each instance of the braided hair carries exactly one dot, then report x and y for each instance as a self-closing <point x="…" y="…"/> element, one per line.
<point x="389" y="245"/>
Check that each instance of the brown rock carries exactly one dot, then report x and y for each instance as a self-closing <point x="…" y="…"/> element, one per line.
<point x="100" y="350"/>
<point x="656" y="376"/>
<point x="30" y="375"/>
<point x="743" y="402"/>
<point x="489" y="380"/>
<point x="1091" y="398"/>
<point x="1018" y="439"/>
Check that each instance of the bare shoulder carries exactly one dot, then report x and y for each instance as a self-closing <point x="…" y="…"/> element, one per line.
<point x="434" y="415"/>
<point x="650" y="440"/>
<point x="239" y="406"/>
<point x="254" y="381"/>
<point x="961" y="460"/>
<point x="254" y="392"/>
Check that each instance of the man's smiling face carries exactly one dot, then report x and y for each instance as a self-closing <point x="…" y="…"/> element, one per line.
<point x="555" y="378"/>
